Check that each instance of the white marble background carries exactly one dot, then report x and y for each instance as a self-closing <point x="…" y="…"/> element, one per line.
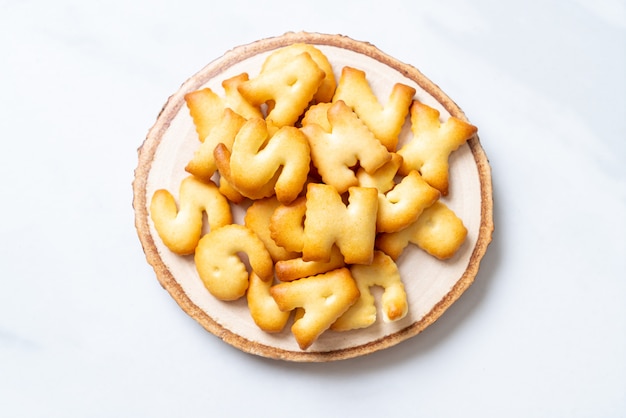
<point x="85" y="329"/>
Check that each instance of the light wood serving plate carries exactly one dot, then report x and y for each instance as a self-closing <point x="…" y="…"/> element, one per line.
<point x="432" y="285"/>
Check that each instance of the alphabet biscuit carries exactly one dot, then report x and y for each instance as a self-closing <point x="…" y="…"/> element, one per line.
<point x="314" y="224"/>
<point x="400" y="205"/>
<point x="384" y="121"/>
<point x="382" y="272"/>
<point x="403" y="204"/>
<point x="429" y="149"/>
<point x="287" y="87"/>
<point x="277" y="59"/>
<point x="203" y="165"/>
<point x="260" y="165"/>
<point x="438" y="231"/>
<point x="180" y="227"/>
<point x="328" y="222"/>
<point x="219" y="266"/>
<point x="324" y="298"/>
<point x="206" y="107"/>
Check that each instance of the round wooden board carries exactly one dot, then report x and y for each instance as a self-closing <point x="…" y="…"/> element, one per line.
<point x="432" y="285"/>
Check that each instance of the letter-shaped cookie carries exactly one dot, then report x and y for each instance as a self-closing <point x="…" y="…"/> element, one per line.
<point x="328" y="221"/>
<point x="432" y="143"/>
<point x="258" y="218"/>
<point x="385" y="122"/>
<point x="259" y="165"/>
<point x="206" y="107"/>
<point x="349" y="142"/>
<point x="181" y="228"/>
<point x="202" y="165"/>
<point x="217" y="260"/>
<point x="278" y="59"/>
<point x="382" y="272"/>
<point x="438" y="231"/>
<point x="324" y="297"/>
<point x="401" y="205"/>
<point x="263" y="308"/>
<point x="286" y="88"/>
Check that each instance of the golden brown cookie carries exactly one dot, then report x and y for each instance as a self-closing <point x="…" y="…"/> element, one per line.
<point x="324" y="298"/>
<point x="220" y="267"/>
<point x="384" y="121"/>
<point x="261" y="165"/>
<point x="277" y="59"/>
<point x="180" y="226"/>
<point x="438" y="231"/>
<point x="399" y="204"/>
<point x="287" y="86"/>
<point x="329" y="222"/>
<point x="349" y="142"/>
<point x="432" y="143"/>
<point x="382" y="272"/>
<point x="206" y="107"/>
<point x="202" y="165"/>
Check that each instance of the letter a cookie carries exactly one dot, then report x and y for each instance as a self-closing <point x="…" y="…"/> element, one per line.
<point x="324" y="298"/>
